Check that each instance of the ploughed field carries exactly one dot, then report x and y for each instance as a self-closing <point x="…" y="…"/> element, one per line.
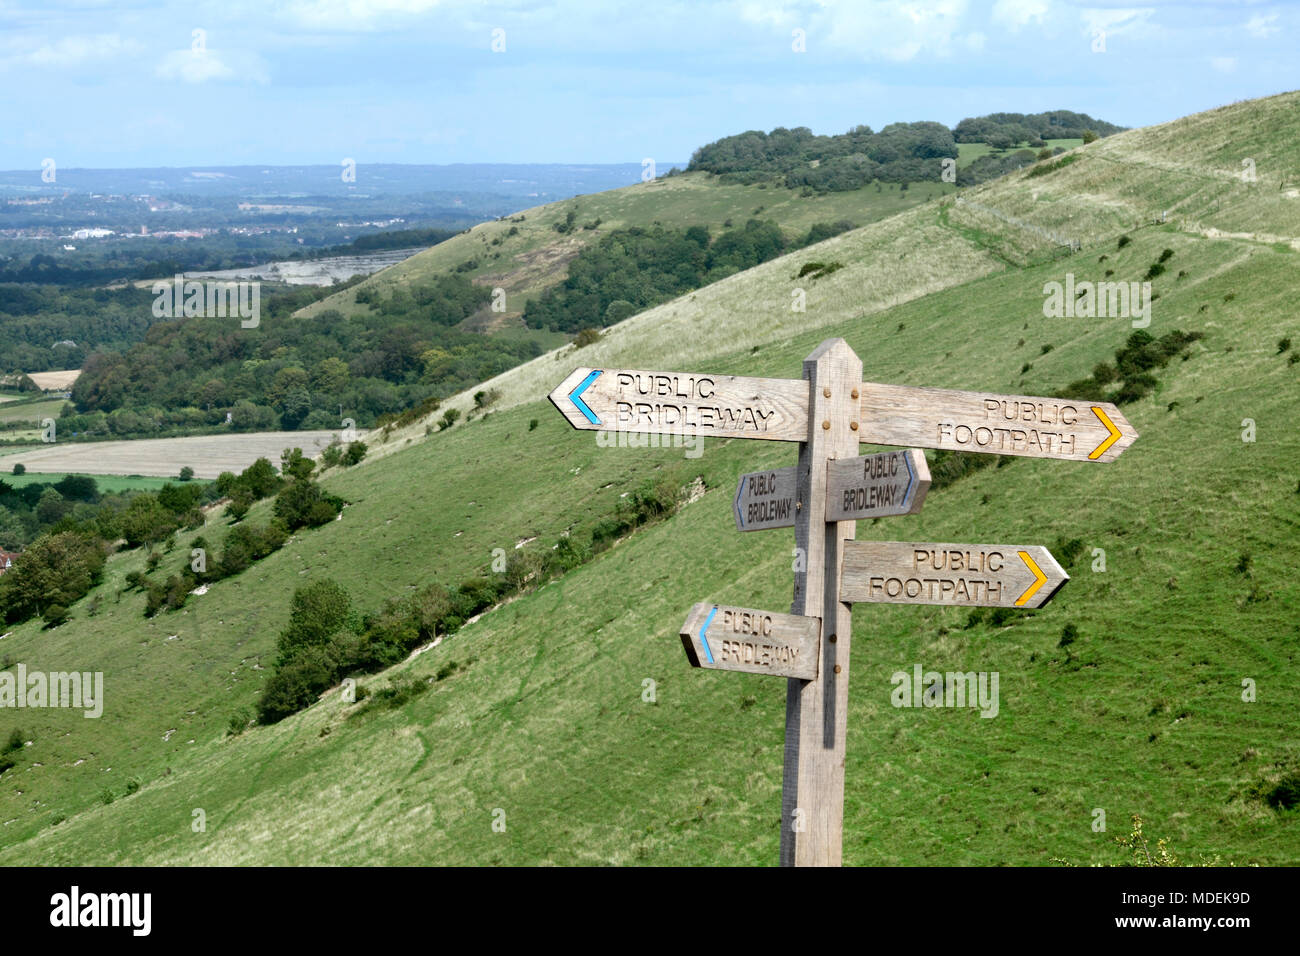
<point x="208" y="455"/>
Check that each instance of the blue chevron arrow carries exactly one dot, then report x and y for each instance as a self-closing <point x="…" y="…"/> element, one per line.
<point x="575" y="396"/>
<point x="911" y="479"/>
<point x="704" y="631"/>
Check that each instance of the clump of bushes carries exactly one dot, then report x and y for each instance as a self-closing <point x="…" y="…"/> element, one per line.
<point x="1134" y="365"/>
<point x="327" y="639"/>
<point x="817" y="270"/>
<point x="53" y="573"/>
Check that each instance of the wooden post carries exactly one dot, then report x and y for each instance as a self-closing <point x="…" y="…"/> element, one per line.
<point x="816" y="711"/>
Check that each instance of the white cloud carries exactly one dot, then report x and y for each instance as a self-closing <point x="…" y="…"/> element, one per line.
<point x="898" y="30"/>
<point x="1015" y="14"/>
<point x="205" y="66"/>
<point x="1114" y="22"/>
<point x="1224" y="64"/>
<point x="354" y="14"/>
<point x="1262" y="26"/>
<point x="76" y="50"/>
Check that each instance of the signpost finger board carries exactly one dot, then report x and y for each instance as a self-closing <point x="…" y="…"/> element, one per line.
<point x="869" y="486"/>
<point x="973" y="575"/>
<point x="684" y="403"/>
<point x="757" y="642"/>
<point x="993" y="424"/>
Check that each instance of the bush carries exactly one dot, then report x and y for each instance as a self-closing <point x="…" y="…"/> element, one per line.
<point x="1068" y="635"/>
<point x="20" y="469"/>
<point x="318" y="611"/>
<point x="239" y="721"/>
<point x="1068" y="551"/>
<point x="295" y="464"/>
<point x="449" y="418"/>
<point x="355" y="454"/>
<point x="332" y="455"/>
<point x="1285" y="794"/>
<point x="303" y="504"/>
<point x="238" y="507"/>
<point x="187" y="473"/>
<point x="54" y="615"/>
<point x="586" y="337"/>
<point x="295" y="685"/>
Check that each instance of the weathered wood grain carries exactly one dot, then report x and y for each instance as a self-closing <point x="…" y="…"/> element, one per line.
<point x="993" y="424"/>
<point x="765" y="499"/>
<point x="816" y="711"/>
<point x="968" y="575"/>
<point x="684" y="403"/>
<point x="729" y="638"/>
<point x="876" y="486"/>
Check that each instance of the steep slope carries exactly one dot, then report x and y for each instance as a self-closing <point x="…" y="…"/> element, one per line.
<point x="524" y="254"/>
<point x="544" y="717"/>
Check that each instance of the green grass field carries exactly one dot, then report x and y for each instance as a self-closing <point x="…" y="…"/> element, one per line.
<point x="31" y="411"/>
<point x="545" y="718"/>
<point x="105" y="483"/>
<point x="967" y="153"/>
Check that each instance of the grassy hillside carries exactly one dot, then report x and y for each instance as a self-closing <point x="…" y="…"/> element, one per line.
<point x="525" y="255"/>
<point x="543" y="715"/>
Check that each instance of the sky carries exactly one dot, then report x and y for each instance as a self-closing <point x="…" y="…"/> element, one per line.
<point x="131" y="83"/>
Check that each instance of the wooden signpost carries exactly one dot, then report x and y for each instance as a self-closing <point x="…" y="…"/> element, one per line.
<point x="766" y="499"/>
<point x="993" y="424"/>
<point x="869" y="486"/>
<point x="876" y="486"/>
<point x="973" y="575"/>
<point x="684" y="403"/>
<point x="756" y="642"/>
<point x="829" y="411"/>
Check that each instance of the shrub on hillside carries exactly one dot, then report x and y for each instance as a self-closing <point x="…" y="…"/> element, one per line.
<point x="355" y="454"/>
<point x="318" y="611"/>
<point x="302" y="503"/>
<point x="296" y="685"/>
<point x="56" y="570"/>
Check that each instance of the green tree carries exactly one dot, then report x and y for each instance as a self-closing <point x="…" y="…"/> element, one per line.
<point x="330" y="375"/>
<point x="145" y="520"/>
<point x="295" y="464"/>
<point x="51" y="507"/>
<point x="318" y="611"/>
<point x="57" y="569"/>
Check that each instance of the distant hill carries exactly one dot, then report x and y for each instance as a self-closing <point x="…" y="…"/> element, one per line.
<point x="899" y="153"/>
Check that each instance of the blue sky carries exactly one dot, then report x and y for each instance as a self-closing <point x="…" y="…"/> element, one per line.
<point x="130" y="83"/>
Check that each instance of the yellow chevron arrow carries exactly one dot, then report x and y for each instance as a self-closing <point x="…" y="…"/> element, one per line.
<point x="1110" y="440"/>
<point x="1039" y="577"/>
